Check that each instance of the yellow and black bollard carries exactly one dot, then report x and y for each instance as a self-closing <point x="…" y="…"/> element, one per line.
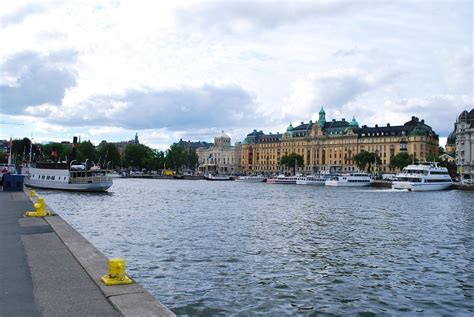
<point x="40" y="211"/>
<point x="117" y="275"/>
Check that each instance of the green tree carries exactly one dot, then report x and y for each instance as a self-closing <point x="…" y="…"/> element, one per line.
<point x="175" y="157"/>
<point x="289" y="161"/>
<point x="365" y="160"/>
<point x="109" y="153"/>
<point x="21" y="150"/>
<point x="401" y="160"/>
<point x="137" y="155"/>
<point x="63" y="151"/>
<point x="86" y="151"/>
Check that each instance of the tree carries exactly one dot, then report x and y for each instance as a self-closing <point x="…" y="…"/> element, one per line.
<point x="289" y="161"/>
<point x="62" y="151"/>
<point x="366" y="159"/>
<point x="86" y="151"/>
<point x="175" y="157"/>
<point x="109" y="153"/>
<point x="401" y="160"/>
<point x="137" y="155"/>
<point x="21" y="150"/>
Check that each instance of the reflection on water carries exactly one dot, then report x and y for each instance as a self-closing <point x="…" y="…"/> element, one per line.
<point x="219" y="248"/>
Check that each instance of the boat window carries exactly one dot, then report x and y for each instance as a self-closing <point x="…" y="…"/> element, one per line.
<point x="47" y="177"/>
<point x="53" y="177"/>
<point x="43" y="177"/>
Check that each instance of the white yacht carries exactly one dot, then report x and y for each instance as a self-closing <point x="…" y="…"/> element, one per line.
<point x="282" y="179"/>
<point x="422" y="177"/>
<point x="350" y="180"/>
<point x="217" y="177"/>
<point x="251" y="179"/>
<point x="314" y="180"/>
<point x="78" y="177"/>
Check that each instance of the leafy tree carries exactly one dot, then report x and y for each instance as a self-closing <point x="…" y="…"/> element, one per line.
<point x="175" y="157"/>
<point x="86" y="151"/>
<point x="109" y="153"/>
<point x="289" y="161"/>
<point x="366" y="159"/>
<point x="63" y="151"/>
<point x="401" y="160"/>
<point x="137" y="155"/>
<point x="21" y="150"/>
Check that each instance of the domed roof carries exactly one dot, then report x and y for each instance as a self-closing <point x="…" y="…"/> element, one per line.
<point x="464" y="116"/>
<point x="290" y="127"/>
<point x="223" y="135"/>
<point x="245" y="141"/>
<point x="451" y="138"/>
<point x="418" y="130"/>
<point x="354" y="123"/>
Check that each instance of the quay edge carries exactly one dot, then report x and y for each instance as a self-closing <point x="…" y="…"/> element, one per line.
<point x="128" y="300"/>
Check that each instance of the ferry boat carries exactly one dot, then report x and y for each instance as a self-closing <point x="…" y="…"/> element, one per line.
<point x="217" y="177"/>
<point x="313" y="180"/>
<point x="77" y="177"/>
<point x="251" y="179"/>
<point x="423" y="177"/>
<point x="282" y="179"/>
<point x="350" y="180"/>
<point x="70" y="175"/>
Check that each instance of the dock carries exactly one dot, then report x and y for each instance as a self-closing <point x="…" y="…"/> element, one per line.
<point x="48" y="269"/>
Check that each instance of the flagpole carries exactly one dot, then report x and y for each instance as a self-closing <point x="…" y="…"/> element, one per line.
<point x="10" y="154"/>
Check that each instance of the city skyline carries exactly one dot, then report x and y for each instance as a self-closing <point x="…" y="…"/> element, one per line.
<point x="192" y="69"/>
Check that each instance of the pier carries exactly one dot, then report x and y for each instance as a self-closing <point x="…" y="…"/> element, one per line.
<point x="48" y="269"/>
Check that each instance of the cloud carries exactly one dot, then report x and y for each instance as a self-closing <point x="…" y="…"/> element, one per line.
<point x="174" y="109"/>
<point x="20" y="14"/>
<point x="34" y="79"/>
<point x="334" y="90"/>
<point x="245" y="17"/>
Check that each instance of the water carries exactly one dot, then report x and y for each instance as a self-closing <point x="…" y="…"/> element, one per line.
<point x="227" y="248"/>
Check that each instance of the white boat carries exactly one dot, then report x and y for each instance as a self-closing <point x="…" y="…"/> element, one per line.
<point x="251" y="179"/>
<point x="313" y="180"/>
<point x="282" y="179"/>
<point x="79" y="177"/>
<point x="217" y="177"/>
<point x="422" y="177"/>
<point x="350" y="180"/>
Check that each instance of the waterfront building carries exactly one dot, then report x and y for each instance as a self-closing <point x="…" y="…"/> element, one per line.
<point x="190" y="145"/>
<point x="464" y="129"/>
<point x="221" y="157"/>
<point x="330" y="145"/>
<point x="122" y="145"/>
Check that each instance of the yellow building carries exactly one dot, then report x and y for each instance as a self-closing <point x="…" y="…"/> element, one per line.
<point x="329" y="146"/>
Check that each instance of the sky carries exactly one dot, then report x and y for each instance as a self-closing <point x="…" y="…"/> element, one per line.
<point x="105" y="70"/>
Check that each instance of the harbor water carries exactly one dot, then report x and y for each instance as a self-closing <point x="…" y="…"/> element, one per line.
<point x="230" y="248"/>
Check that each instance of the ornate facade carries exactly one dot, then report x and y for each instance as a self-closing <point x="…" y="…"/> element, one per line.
<point x="464" y="144"/>
<point x="222" y="157"/>
<point x="329" y="146"/>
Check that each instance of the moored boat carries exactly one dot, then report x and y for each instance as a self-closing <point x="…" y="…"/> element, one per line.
<point x="251" y="179"/>
<point x="282" y="179"/>
<point x="313" y="180"/>
<point x="422" y="177"/>
<point x="217" y="177"/>
<point x="350" y="180"/>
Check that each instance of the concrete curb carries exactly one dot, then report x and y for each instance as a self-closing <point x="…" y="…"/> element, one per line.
<point x="129" y="300"/>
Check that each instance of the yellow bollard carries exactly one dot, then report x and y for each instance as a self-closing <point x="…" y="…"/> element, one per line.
<point x="117" y="275"/>
<point x="40" y="207"/>
<point x="32" y="193"/>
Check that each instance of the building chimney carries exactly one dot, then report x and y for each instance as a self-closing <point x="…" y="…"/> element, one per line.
<point x="74" y="149"/>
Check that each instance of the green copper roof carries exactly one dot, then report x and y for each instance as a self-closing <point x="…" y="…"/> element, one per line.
<point x="419" y="130"/>
<point x="290" y="127"/>
<point x="354" y="123"/>
<point x="245" y="141"/>
<point x="322" y="111"/>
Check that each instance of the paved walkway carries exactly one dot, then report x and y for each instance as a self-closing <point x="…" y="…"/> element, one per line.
<point x="39" y="275"/>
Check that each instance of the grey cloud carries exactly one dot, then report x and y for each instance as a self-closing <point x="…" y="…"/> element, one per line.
<point x="40" y="79"/>
<point x="262" y="15"/>
<point x="20" y="14"/>
<point x="174" y="109"/>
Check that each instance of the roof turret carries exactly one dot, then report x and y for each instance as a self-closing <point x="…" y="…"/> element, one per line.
<point x="354" y="123"/>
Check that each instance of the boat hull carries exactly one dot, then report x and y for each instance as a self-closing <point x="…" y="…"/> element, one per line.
<point x="311" y="182"/>
<point x="95" y="187"/>
<point x="412" y="186"/>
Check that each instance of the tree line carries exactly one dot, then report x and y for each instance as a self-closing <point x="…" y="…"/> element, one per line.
<point x="135" y="156"/>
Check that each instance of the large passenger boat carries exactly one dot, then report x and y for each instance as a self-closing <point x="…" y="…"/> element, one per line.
<point x="251" y="179"/>
<point x="67" y="175"/>
<point x="282" y="179"/>
<point x="423" y="177"/>
<point x="217" y="177"/>
<point x="314" y="180"/>
<point x="350" y="180"/>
